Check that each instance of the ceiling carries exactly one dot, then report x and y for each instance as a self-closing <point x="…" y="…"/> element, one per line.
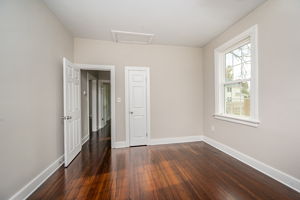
<point x="173" y="22"/>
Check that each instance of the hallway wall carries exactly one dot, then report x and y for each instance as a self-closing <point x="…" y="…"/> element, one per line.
<point x="84" y="105"/>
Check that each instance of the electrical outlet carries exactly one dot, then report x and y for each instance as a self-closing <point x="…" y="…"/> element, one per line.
<point x="212" y="128"/>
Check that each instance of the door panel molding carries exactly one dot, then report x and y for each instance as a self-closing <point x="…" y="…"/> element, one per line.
<point x="127" y="102"/>
<point x="72" y="110"/>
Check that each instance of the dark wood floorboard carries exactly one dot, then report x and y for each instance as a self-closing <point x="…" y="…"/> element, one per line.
<point x="177" y="171"/>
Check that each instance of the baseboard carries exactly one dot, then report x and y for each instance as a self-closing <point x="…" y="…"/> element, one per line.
<point x="30" y="187"/>
<point x="175" y="140"/>
<point x="121" y="144"/>
<point x="280" y="176"/>
<point x="85" y="139"/>
<point x="124" y="144"/>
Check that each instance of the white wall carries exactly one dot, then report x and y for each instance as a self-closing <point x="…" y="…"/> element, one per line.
<point x="32" y="45"/>
<point x="276" y="141"/>
<point x="94" y="105"/>
<point x="176" y="83"/>
<point x="84" y="105"/>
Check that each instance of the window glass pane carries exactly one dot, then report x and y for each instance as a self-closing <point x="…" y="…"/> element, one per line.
<point x="246" y="52"/>
<point x="237" y="99"/>
<point x="237" y="53"/>
<point x="246" y="71"/>
<point x="238" y="63"/>
<point x="246" y="61"/>
<point x="229" y="67"/>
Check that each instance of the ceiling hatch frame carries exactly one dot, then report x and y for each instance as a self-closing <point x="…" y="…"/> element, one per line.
<point x="131" y="37"/>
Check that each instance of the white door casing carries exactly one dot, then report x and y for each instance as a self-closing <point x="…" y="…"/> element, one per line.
<point x="137" y="103"/>
<point x="72" y="111"/>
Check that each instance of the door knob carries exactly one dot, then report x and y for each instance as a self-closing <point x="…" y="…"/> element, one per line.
<point x="131" y="112"/>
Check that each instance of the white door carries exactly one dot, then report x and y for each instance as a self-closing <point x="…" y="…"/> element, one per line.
<point x="137" y="101"/>
<point x="72" y="111"/>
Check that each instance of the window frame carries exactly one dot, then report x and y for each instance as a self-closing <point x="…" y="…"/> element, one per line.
<point x="219" y="53"/>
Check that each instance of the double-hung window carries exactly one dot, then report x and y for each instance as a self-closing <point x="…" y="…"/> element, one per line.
<point x="236" y="79"/>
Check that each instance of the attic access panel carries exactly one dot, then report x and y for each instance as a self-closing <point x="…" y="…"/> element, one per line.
<point x="132" y="37"/>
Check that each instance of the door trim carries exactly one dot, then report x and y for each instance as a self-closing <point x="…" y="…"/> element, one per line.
<point x="111" y="69"/>
<point x="148" y="116"/>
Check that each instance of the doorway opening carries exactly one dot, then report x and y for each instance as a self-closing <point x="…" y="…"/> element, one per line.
<point x="77" y="97"/>
<point x="95" y="105"/>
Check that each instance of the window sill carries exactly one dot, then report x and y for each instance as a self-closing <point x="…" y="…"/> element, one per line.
<point x="246" y="122"/>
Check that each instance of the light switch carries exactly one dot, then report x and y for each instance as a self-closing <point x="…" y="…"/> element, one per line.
<point x="118" y="100"/>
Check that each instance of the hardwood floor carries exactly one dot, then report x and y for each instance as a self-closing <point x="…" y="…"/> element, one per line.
<point x="176" y="171"/>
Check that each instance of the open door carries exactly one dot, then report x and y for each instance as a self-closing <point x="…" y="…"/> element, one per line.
<point x="72" y="111"/>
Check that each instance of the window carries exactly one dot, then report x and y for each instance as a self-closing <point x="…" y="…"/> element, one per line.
<point x="236" y="79"/>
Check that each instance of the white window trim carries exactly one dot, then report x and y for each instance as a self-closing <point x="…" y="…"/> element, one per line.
<point x="219" y="79"/>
